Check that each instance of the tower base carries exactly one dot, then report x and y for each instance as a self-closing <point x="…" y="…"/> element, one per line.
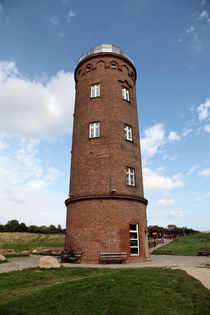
<point x="101" y="224"/>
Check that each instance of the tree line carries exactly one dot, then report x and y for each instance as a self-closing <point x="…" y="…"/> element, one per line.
<point x="15" y="226"/>
<point x="171" y="229"/>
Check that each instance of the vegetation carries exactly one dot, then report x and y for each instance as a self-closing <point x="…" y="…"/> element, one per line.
<point x="25" y="241"/>
<point x="102" y="291"/>
<point x="186" y="245"/>
<point x="15" y="226"/>
<point x="171" y="229"/>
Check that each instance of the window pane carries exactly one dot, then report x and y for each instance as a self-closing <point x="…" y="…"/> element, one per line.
<point x="134" y="250"/>
<point x="133" y="242"/>
<point x="133" y="236"/>
<point x="133" y="227"/>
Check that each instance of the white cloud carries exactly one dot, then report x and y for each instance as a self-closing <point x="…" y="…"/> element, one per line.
<point x="203" y="110"/>
<point x="44" y="111"/>
<point x="190" y="29"/>
<point x="26" y="157"/>
<point x="207" y="128"/>
<point x="165" y="202"/>
<point x="53" y="21"/>
<point x="53" y="173"/>
<point x="61" y="34"/>
<point x="70" y="15"/>
<point x="204" y="172"/>
<point x="173" y="136"/>
<point x="36" y="184"/>
<point x="154" y="139"/>
<point x="186" y="131"/>
<point x="203" y="15"/>
<point x="176" y="213"/>
<point x="155" y="181"/>
<point x="1" y="8"/>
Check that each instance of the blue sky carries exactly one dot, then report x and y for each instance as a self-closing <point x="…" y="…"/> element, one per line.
<point x="40" y="42"/>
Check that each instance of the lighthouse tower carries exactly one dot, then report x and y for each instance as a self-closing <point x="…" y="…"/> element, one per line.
<point x="106" y="208"/>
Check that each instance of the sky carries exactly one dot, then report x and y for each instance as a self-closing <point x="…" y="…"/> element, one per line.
<point x="40" y="42"/>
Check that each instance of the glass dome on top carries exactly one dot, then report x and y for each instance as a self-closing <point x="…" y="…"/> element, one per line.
<point x="105" y="48"/>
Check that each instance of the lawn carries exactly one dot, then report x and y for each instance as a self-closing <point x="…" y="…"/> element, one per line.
<point x="102" y="291"/>
<point x="186" y="245"/>
<point x="25" y="241"/>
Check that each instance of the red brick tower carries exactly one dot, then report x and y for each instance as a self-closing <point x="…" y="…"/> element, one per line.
<point x="106" y="209"/>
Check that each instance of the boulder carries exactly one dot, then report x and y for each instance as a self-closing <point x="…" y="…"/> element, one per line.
<point x="48" y="262"/>
<point x="2" y="258"/>
<point x="25" y="252"/>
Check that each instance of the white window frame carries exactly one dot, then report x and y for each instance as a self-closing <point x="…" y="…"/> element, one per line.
<point x="136" y="231"/>
<point x="130" y="176"/>
<point x="94" y="130"/>
<point x="128" y="133"/>
<point x="95" y="90"/>
<point x="125" y="94"/>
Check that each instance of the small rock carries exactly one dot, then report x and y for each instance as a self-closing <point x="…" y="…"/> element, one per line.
<point x="25" y="252"/>
<point x="48" y="262"/>
<point x="2" y="258"/>
<point x="46" y="251"/>
<point x="34" y="251"/>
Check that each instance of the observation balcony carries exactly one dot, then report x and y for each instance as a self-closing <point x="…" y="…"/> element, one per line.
<point x="105" y="48"/>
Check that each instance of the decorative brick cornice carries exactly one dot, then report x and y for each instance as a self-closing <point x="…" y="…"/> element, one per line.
<point x="111" y="196"/>
<point x="100" y="54"/>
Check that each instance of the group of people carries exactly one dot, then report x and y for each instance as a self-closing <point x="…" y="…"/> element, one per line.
<point x="157" y="236"/>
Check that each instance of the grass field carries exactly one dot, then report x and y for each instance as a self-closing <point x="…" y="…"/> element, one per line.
<point x="102" y="291"/>
<point x="186" y="245"/>
<point x="25" y="241"/>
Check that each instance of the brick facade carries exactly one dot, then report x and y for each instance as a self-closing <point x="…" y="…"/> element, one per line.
<point x="101" y="205"/>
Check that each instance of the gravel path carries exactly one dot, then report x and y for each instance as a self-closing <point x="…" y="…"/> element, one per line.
<point x="193" y="265"/>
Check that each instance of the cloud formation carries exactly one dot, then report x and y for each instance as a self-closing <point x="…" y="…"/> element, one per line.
<point x="207" y="128"/>
<point x="203" y="110"/>
<point x="53" y="21"/>
<point x="173" y="136"/>
<point x="204" y="172"/>
<point x="70" y="15"/>
<point x="155" y="181"/>
<point x="203" y="15"/>
<point x="25" y="185"/>
<point x="32" y="109"/>
<point x="165" y="202"/>
<point x="154" y="138"/>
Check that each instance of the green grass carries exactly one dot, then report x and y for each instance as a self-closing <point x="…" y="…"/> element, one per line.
<point x="25" y="241"/>
<point x="186" y="245"/>
<point x="102" y="291"/>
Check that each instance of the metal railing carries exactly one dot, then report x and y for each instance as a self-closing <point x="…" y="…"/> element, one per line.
<point x="105" y="48"/>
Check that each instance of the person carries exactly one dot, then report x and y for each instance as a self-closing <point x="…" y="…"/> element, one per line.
<point x="154" y="242"/>
<point x="64" y="256"/>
